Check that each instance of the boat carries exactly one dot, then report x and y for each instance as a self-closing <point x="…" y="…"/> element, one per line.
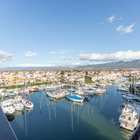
<point x="11" y="93"/>
<point x="4" y="93"/>
<point x="56" y="94"/>
<point x="74" y="98"/>
<point x="123" y="88"/>
<point x="31" y="90"/>
<point x="17" y="104"/>
<point x="100" y="90"/>
<point x="18" y="98"/>
<point x="128" y="96"/>
<point x="7" y="107"/>
<point x="51" y="94"/>
<point x="16" y="91"/>
<point x="27" y="103"/>
<point x="129" y="117"/>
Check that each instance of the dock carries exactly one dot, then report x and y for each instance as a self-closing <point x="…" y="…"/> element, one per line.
<point x="6" y="131"/>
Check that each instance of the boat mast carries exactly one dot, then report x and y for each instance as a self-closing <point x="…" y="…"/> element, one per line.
<point x="71" y="80"/>
<point x="131" y="82"/>
<point x="72" y="118"/>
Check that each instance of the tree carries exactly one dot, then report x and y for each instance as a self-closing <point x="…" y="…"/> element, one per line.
<point x="88" y="79"/>
<point x="62" y="72"/>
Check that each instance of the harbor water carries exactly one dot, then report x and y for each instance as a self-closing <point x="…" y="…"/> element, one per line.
<point x="61" y="119"/>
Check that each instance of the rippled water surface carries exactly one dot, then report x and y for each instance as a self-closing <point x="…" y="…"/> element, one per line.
<point x="62" y="119"/>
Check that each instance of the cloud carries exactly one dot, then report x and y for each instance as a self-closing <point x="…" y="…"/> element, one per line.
<point x="127" y="29"/>
<point x="101" y="23"/>
<point x="62" y="57"/>
<point x="111" y="19"/>
<point x="51" y="65"/>
<point x="119" y="28"/>
<point x="5" y="57"/>
<point x="29" y="54"/>
<point x="120" y="55"/>
<point x="70" y="57"/>
<point x="59" y="52"/>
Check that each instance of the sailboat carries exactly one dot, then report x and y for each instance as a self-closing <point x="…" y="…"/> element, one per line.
<point x="75" y="98"/>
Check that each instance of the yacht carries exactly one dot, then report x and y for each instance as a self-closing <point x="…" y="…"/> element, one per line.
<point x="123" y="88"/>
<point x="17" y="105"/>
<point x="101" y="90"/>
<point x="7" y="107"/>
<point x="129" y="117"/>
<point x="128" y="96"/>
<point x="18" y="98"/>
<point x="27" y="103"/>
<point x="51" y="94"/>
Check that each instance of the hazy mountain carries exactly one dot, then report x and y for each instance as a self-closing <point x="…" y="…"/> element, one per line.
<point x="135" y="64"/>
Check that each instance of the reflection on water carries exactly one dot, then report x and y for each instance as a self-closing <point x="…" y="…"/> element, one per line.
<point x="126" y="133"/>
<point x="19" y="112"/>
<point x="63" y="119"/>
<point x="11" y="118"/>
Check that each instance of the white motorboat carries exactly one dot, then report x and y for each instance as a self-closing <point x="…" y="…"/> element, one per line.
<point x="4" y="93"/>
<point x="18" y="98"/>
<point x="129" y="117"/>
<point x="7" y="107"/>
<point x="27" y="103"/>
<point x="128" y="96"/>
<point x="123" y="88"/>
<point x="51" y="94"/>
<point x="17" y="105"/>
<point x="100" y="90"/>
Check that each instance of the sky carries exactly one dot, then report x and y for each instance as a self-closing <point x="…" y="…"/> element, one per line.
<point x="68" y="32"/>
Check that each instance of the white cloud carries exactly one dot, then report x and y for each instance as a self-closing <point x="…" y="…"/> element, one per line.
<point x="119" y="28"/>
<point x="5" y="57"/>
<point x="111" y="19"/>
<point x="70" y="57"/>
<point x="120" y="55"/>
<point x="51" y="65"/>
<point x="29" y="54"/>
<point x="59" y="52"/>
<point x="101" y="23"/>
<point x="62" y="57"/>
<point x="127" y="29"/>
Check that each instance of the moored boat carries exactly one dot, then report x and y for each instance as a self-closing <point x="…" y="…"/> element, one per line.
<point x="7" y="107"/>
<point x="27" y="103"/>
<point x="74" y="98"/>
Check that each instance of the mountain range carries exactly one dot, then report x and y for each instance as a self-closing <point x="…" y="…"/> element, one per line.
<point x="135" y="64"/>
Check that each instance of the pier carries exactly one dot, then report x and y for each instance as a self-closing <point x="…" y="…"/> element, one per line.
<point x="6" y="131"/>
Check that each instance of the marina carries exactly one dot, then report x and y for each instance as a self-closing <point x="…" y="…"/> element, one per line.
<point x="69" y="70"/>
<point x="52" y="118"/>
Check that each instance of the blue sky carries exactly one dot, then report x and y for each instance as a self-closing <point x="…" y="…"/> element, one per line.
<point x="68" y="32"/>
